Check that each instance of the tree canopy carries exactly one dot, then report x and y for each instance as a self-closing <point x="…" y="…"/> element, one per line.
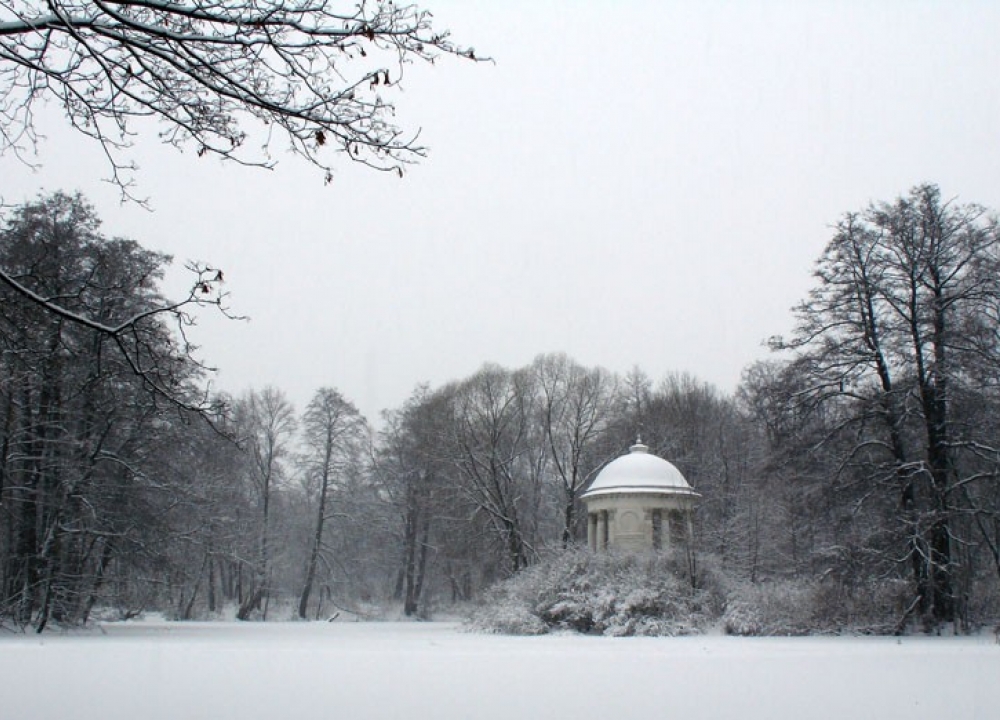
<point x="894" y="367"/>
<point x="314" y="75"/>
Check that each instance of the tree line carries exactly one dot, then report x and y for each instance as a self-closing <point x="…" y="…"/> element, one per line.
<point x="861" y="459"/>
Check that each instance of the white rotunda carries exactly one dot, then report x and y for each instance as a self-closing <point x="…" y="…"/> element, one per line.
<point x="638" y="502"/>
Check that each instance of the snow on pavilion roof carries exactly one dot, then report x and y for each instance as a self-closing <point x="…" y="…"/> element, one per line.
<point x="639" y="472"/>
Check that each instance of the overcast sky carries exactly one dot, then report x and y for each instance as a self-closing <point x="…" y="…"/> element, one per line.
<point x="632" y="183"/>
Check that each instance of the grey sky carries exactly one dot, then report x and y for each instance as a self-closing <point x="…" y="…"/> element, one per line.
<point x="631" y="183"/>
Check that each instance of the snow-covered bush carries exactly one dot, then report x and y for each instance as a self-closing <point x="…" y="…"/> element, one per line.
<point x="508" y="619"/>
<point x="654" y="594"/>
<point x="608" y="594"/>
<point x="770" y="608"/>
<point x="742" y="618"/>
<point x="805" y="606"/>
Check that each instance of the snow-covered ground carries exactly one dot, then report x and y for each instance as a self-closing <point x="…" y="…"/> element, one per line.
<point x="412" y="671"/>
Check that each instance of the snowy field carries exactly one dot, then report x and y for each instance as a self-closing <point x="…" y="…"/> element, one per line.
<point x="414" y="671"/>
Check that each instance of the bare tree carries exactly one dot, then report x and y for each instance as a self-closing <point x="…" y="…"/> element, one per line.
<point x="334" y="433"/>
<point x="492" y="423"/>
<point x="82" y="499"/>
<point x="575" y="409"/>
<point x="265" y="421"/>
<point x="887" y="342"/>
<point x="441" y="544"/>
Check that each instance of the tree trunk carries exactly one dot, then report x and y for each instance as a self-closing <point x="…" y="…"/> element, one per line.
<point x="212" y="603"/>
<point x="318" y="534"/>
<point x="415" y="575"/>
<point x="568" y="518"/>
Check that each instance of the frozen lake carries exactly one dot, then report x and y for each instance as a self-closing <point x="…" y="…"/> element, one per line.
<point x="414" y="671"/>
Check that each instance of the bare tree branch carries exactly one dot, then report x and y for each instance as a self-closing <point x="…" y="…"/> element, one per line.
<point x="209" y="69"/>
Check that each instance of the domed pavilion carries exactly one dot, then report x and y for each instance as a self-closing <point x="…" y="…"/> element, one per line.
<point x="638" y="502"/>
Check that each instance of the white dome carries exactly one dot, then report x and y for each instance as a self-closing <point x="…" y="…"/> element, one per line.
<point x="641" y="472"/>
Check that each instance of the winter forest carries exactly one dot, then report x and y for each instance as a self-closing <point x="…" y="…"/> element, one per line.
<point x="849" y="484"/>
<point x="541" y="413"/>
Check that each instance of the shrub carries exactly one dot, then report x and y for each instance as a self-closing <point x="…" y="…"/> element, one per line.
<point x="656" y="594"/>
<point x="508" y="619"/>
<point x="607" y="594"/>
<point x="742" y="618"/>
<point x="805" y="606"/>
<point x="771" y="608"/>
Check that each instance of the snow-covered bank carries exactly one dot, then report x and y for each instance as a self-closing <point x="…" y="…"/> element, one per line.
<point x="412" y="671"/>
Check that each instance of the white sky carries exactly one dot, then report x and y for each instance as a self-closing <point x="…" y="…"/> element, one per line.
<point x="632" y="183"/>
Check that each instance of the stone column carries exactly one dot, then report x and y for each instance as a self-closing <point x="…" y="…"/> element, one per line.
<point x="592" y="531"/>
<point x="603" y="536"/>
